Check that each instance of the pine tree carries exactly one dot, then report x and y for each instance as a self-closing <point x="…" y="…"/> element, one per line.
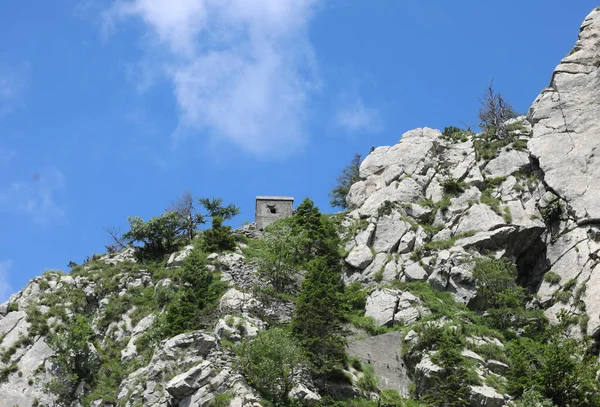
<point x="449" y="388"/>
<point x="317" y="320"/>
<point x="349" y="176"/>
<point x="196" y="293"/>
<point x="323" y="240"/>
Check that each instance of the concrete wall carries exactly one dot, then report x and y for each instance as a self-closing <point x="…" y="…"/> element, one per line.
<point x="384" y="353"/>
<point x="271" y="208"/>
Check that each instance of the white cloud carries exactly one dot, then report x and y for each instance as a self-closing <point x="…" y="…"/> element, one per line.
<point x="241" y="69"/>
<point x="36" y="197"/>
<point x="5" y="287"/>
<point x="354" y="117"/>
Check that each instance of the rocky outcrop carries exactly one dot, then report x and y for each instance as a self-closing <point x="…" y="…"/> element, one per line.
<point x="188" y="369"/>
<point x="387" y="307"/>
<point x="426" y="206"/>
<point x="566" y="119"/>
<point x="566" y="123"/>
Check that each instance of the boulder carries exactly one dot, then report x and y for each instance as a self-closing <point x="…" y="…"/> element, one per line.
<point x="407" y="190"/>
<point x="497" y="367"/>
<point x="390" y="229"/>
<point x="479" y="217"/>
<point x="485" y="396"/>
<point x="236" y="328"/>
<point x="360" y="257"/>
<point x="387" y="306"/>
<point x="308" y="397"/>
<point x="187" y="383"/>
<point x="424" y="371"/>
<point x="412" y="152"/>
<point x="415" y="272"/>
<point x="507" y="163"/>
<point x="237" y="301"/>
<point x="176" y="259"/>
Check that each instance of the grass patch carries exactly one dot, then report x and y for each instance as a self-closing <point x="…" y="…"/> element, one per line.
<point x="569" y="285"/>
<point x="551" y="278"/>
<point x="497" y="382"/>
<point x="507" y="215"/>
<point x="453" y="187"/>
<point x="489" y="200"/>
<point x="446" y="244"/>
<point x="6" y="371"/>
<point x="563" y="296"/>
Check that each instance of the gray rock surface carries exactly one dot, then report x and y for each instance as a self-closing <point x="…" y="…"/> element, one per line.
<point x="384" y="353"/>
<point x="360" y="257"/>
<point x="387" y="306"/>
<point x="566" y="119"/>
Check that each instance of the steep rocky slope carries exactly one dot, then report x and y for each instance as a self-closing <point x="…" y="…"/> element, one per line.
<point x="427" y="205"/>
<point x="424" y="212"/>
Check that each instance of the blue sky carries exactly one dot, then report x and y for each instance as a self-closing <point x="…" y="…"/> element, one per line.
<point x="111" y="109"/>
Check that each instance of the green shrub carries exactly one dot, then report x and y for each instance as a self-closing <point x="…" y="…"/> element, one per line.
<point x="453" y="187"/>
<point x="222" y="400"/>
<point x="570" y="284"/>
<point x="218" y="238"/>
<point x="43" y="284"/>
<point x="349" y="176"/>
<point x="368" y="381"/>
<point x="496" y="283"/>
<point x="451" y="385"/>
<point x="13" y="306"/>
<point x="278" y="254"/>
<point x="532" y="398"/>
<point x="160" y="235"/>
<point x="386" y="208"/>
<point x="551" y="212"/>
<point x="551" y="277"/>
<point x="583" y="322"/>
<point x="74" y="358"/>
<point x="6" y="371"/>
<point x="489" y="200"/>
<point x="355" y="363"/>
<point x="318" y="316"/>
<point x="199" y="291"/>
<point x="507" y="215"/>
<point x="563" y="296"/>
<point x="355" y="298"/>
<point x="580" y="291"/>
<point x="272" y="363"/>
<point x="378" y="276"/>
<point x="556" y="367"/>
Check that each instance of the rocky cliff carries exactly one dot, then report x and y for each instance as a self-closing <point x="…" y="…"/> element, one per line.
<point x="428" y="204"/>
<point x="425" y="210"/>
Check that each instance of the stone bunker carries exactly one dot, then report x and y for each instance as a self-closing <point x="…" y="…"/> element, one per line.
<point x="271" y="208"/>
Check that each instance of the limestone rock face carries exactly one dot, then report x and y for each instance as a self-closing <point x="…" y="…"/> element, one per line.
<point x="430" y="193"/>
<point x="360" y="257"/>
<point x="388" y="306"/>
<point x="566" y="129"/>
<point x="566" y="119"/>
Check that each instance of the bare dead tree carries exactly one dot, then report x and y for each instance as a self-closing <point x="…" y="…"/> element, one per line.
<point x="190" y="218"/>
<point x="116" y="240"/>
<point x="494" y="112"/>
